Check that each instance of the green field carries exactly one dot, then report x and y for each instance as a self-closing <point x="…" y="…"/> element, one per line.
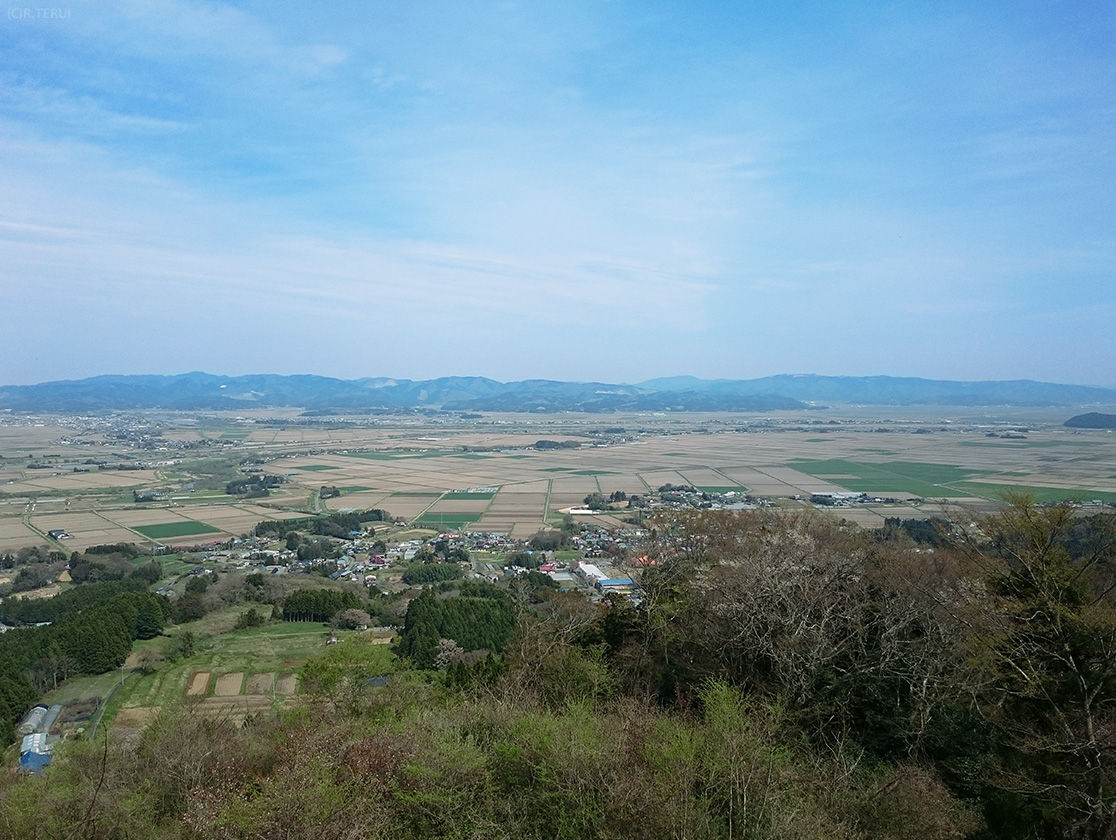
<point x="932" y="481"/>
<point x="735" y="488"/>
<point x="593" y="472"/>
<point x="465" y="495"/>
<point x="355" y="488"/>
<point x="411" y="494"/>
<point x="318" y="467"/>
<point x="171" y="564"/>
<point x="1040" y="494"/>
<point x="929" y="481"/>
<point x="175" y="529"/>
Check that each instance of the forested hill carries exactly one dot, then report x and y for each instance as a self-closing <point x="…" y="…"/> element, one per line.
<point x="1092" y="420"/>
<point x="193" y="391"/>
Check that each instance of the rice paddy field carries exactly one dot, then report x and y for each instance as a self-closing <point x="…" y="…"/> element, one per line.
<point x="443" y="472"/>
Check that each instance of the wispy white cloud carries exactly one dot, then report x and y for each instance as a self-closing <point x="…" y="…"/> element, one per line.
<point x="671" y="190"/>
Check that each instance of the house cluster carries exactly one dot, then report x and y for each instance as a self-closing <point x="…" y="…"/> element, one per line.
<point x="603" y="542"/>
<point x="605" y="580"/>
<point x="685" y="497"/>
<point x="842" y="499"/>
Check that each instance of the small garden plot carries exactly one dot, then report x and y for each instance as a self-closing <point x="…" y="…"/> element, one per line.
<point x="287" y="684"/>
<point x="199" y="684"/>
<point x="228" y="685"/>
<point x="259" y="684"/>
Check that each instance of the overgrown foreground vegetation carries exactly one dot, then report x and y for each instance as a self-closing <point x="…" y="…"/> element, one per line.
<point x="783" y="677"/>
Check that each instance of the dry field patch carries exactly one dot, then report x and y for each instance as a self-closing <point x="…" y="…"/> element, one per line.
<point x="863" y="517"/>
<point x="154" y="516"/>
<point x="199" y="683"/>
<point x="235" y="709"/>
<point x="135" y="718"/>
<point x="407" y="506"/>
<point x="287" y="684"/>
<point x="259" y="684"/>
<point x="42" y="592"/>
<point x="705" y="477"/>
<point x="72" y="522"/>
<point x="13" y="543"/>
<point x="525" y="488"/>
<point x="657" y="478"/>
<point x="461" y="506"/>
<point x="84" y="539"/>
<point x="13" y="529"/>
<point x="228" y="685"/>
<point x="581" y="484"/>
<point x="630" y="484"/>
<point x="234" y="522"/>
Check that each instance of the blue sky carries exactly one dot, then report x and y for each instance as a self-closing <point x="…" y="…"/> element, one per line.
<point x="589" y="190"/>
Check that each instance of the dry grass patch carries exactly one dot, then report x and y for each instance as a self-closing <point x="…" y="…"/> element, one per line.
<point x="42" y="592"/>
<point x="135" y="718"/>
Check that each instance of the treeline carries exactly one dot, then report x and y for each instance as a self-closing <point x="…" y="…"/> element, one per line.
<point x="988" y="663"/>
<point x="16" y="611"/>
<point x="111" y="565"/>
<point x="31" y="555"/>
<point x="418" y="573"/>
<point x="334" y="525"/>
<point x="481" y="617"/>
<point x="318" y="604"/>
<point x="89" y="635"/>
<point x="256" y="486"/>
<point x="40" y="567"/>
<point x="129" y="551"/>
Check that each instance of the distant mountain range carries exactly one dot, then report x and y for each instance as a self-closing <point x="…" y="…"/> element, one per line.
<point x="194" y="391"/>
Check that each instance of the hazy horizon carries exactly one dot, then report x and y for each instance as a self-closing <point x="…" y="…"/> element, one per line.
<point x="594" y="192"/>
<point x="531" y="378"/>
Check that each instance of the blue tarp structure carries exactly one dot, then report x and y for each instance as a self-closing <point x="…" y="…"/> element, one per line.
<point x="34" y="753"/>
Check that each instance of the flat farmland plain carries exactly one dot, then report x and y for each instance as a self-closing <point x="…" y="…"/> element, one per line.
<point x="485" y="472"/>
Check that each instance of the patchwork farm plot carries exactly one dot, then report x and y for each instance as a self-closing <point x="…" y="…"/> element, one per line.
<point x="417" y="468"/>
<point x="238" y="674"/>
